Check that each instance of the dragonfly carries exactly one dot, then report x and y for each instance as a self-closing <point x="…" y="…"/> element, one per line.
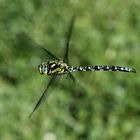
<point x="58" y="67"/>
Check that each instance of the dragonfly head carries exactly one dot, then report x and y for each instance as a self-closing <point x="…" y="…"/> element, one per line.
<point x="42" y="68"/>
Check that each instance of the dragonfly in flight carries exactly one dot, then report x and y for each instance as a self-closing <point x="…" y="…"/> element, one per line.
<point x="58" y="67"/>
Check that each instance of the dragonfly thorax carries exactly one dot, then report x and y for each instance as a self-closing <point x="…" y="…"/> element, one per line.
<point x="55" y="67"/>
<point x="42" y="68"/>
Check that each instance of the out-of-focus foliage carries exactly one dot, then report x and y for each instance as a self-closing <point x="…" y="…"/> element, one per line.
<point x="103" y="105"/>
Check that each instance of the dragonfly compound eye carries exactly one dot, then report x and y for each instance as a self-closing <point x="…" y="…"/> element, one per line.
<point x="42" y="69"/>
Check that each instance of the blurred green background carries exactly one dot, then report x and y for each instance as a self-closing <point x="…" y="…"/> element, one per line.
<point x="102" y="105"/>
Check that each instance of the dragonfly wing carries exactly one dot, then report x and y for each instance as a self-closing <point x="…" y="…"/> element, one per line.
<point x="48" y="52"/>
<point x="44" y="95"/>
<point x="68" y="38"/>
<point x="72" y="77"/>
<point x="27" y="44"/>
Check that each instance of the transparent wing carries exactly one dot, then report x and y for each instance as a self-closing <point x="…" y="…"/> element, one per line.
<point x="71" y="77"/>
<point x="26" y="45"/>
<point x="67" y="44"/>
<point x="44" y="95"/>
<point x="68" y="38"/>
<point x="49" y="53"/>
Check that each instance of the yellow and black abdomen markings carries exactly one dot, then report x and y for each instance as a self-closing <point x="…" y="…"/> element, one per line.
<point x="102" y="68"/>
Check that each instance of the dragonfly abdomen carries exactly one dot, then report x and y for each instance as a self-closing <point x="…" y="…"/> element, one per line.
<point x="101" y="68"/>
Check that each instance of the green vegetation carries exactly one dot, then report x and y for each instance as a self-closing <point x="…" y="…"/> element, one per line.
<point x="103" y="105"/>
